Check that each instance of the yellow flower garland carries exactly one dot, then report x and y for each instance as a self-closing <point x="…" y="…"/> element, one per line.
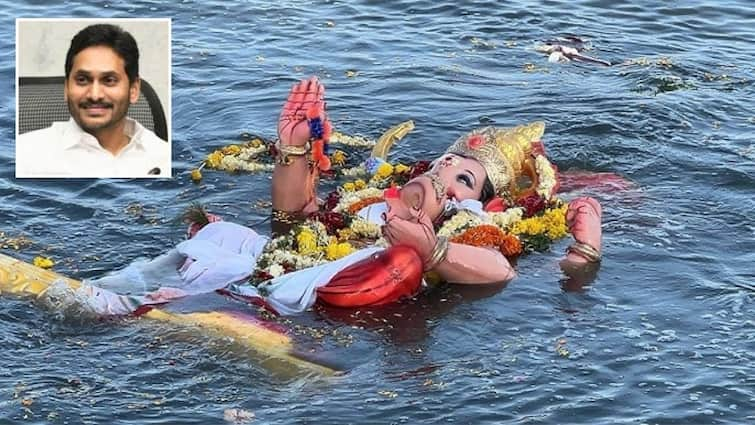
<point x="551" y="224"/>
<point x="307" y="242"/>
<point x="336" y="250"/>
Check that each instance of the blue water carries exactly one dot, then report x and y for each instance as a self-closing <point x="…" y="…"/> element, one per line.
<point x="665" y="334"/>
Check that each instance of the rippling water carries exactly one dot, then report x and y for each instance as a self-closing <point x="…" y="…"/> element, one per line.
<point x="665" y="334"/>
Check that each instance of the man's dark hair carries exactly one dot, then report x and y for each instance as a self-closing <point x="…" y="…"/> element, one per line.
<point x="111" y="36"/>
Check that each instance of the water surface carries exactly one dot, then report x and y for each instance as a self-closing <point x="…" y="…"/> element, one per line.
<point x="665" y="334"/>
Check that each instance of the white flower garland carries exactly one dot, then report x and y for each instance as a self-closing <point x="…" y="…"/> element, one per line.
<point x="321" y="233"/>
<point x="358" y="141"/>
<point x="507" y="219"/>
<point x="276" y="257"/>
<point x="364" y="228"/>
<point x="233" y="163"/>
<point x="546" y="177"/>
<point x="459" y="222"/>
<point x="275" y="270"/>
<point x="243" y="160"/>
<point x="358" y="171"/>
<point x="464" y="220"/>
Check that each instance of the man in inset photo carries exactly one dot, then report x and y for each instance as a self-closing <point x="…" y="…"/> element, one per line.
<point x="99" y="139"/>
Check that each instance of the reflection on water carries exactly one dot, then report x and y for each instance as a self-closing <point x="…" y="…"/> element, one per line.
<point x="663" y="334"/>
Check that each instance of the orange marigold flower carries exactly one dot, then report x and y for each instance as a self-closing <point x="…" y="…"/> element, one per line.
<point x="511" y="246"/>
<point x="487" y="235"/>
<point x="482" y="235"/>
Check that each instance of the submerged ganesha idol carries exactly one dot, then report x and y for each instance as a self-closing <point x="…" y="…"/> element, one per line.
<point x="459" y="219"/>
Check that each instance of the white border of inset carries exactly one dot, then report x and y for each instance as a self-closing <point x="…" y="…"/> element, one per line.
<point x="165" y="82"/>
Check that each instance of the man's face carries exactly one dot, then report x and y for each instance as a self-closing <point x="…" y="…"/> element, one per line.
<point x="451" y="176"/>
<point x="97" y="90"/>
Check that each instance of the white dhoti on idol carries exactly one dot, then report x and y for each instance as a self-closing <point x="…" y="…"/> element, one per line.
<point x="222" y="255"/>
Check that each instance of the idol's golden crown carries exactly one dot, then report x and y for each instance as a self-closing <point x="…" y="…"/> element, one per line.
<point x="504" y="152"/>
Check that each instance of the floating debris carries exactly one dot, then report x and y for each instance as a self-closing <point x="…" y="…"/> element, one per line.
<point x="238" y="416"/>
<point x="569" y="48"/>
<point x="531" y="67"/>
<point x="558" y="53"/>
<point x="561" y="349"/>
<point x="479" y="42"/>
<point x="388" y="394"/>
<point x="15" y="243"/>
<point x="662" y="62"/>
<point x="43" y="262"/>
<point x="262" y="204"/>
<point x="148" y="215"/>
<point x="196" y="174"/>
<point x="236" y="157"/>
<point x="665" y="62"/>
<point x="713" y="77"/>
<point x="671" y="83"/>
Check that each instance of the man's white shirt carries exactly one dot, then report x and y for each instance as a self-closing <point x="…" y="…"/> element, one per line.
<point x="65" y="150"/>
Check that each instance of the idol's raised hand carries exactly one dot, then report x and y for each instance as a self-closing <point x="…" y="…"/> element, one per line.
<point x="306" y="101"/>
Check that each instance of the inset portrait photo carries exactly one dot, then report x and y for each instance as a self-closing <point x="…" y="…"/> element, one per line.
<point x="93" y="98"/>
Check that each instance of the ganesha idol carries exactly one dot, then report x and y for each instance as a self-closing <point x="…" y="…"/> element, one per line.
<point x="510" y="164"/>
<point x="461" y="219"/>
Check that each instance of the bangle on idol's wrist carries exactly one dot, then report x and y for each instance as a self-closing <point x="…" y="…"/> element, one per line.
<point x="585" y="251"/>
<point x="440" y="251"/>
<point x="284" y="152"/>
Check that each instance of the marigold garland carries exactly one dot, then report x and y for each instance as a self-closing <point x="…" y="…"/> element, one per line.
<point x="483" y="235"/>
<point x="357" y="206"/>
<point x="510" y="246"/>
<point x="488" y="235"/>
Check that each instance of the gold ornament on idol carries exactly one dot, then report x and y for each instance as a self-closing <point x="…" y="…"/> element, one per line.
<point x="505" y="153"/>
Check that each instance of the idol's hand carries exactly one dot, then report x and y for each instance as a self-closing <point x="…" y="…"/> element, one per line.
<point x="396" y="207"/>
<point x="305" y="101"/>
<point x="416" y="232"/>
<point x="583" y="217"/>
